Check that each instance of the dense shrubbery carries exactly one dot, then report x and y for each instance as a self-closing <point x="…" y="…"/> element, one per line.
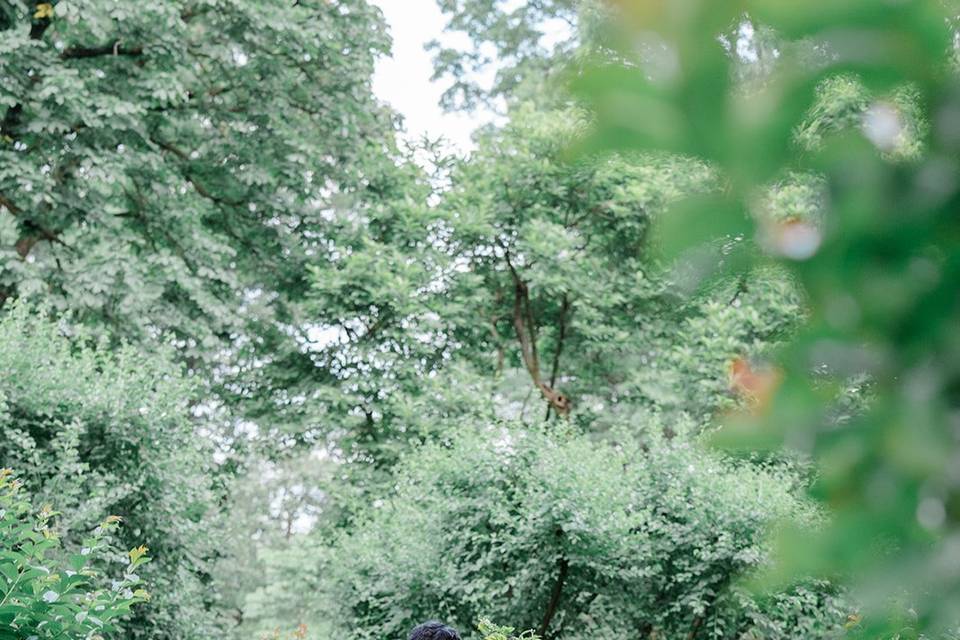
<point x="101" y="432"/>
<point x="576" y="538"/>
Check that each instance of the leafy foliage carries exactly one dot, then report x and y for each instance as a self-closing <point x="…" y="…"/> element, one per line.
<point x="520" y="43"/>
<point x="47" y="595"/>
<point x="492" y="631"/>
<point x="393" y="395"/>
<point x="879" y="270"/>
<point x="108" y="433"/>
<point x="535" y="280"/>
<point x="169" y="168"/>
<point x="572" y="537"/>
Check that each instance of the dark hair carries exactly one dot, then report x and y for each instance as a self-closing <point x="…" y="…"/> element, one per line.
<point x="434" y="630"/>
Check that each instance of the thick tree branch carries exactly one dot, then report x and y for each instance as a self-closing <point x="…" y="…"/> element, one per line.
<point x="494" y="331"/>
<point x="740" y="290"/>
<point x="114" y="49"/>
<point x="37" y="233"/>
<point x="528" y="343"/>
<point x="524" y="325"/>
<point x="564" y="310"/>
<point x="12" y="208"/>
<point x="561" y="335"/>
<point x="185" y="157"/>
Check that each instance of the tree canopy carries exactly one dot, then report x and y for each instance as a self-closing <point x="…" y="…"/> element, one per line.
<point x="671" y="353"/>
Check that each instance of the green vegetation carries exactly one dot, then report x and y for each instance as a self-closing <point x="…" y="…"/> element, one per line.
<point x="98" y="432"/>
<point x="566" y="535"/>
<point x="671" y="354"/>
<point x="42" y="597"/>
<point x="880" y="267"/>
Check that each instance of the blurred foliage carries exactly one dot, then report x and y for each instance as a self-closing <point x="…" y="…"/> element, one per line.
<point x="268" y="508"/>
<point x="863" y="98"/>
<point x="48" y="594"/>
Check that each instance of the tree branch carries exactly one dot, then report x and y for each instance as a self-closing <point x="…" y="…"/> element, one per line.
<point x="525" y="327"/>
<point x="562" y="566"/>
<point x="12" y="208"/>
<point x="562" y="333"/>
<point x="26" y="243"/>
<point x="740" y="290"/>
<point x="185" y="157"/>
<point x="115" y="49"/>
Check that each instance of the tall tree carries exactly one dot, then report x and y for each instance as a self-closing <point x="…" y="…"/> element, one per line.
<point x="169" y="169"/>
<point x="534" y="277"/>
<point x="521" y="45"/>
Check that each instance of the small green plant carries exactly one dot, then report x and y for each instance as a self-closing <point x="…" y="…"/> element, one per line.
<point x="492" y="631"/>
<point x="48" y="593"/>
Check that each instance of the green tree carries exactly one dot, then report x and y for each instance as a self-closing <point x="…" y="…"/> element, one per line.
<point x="524" y="45"/>
<point x="269" y="510"/>
<point x="532" y="283"/>
<point x="170" y="168"/>
<point x="560" y="269"/>
<point x="531" y="289"/>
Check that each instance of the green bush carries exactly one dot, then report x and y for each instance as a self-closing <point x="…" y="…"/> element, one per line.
<point x="50" y="594"/>
<point x="98" y="432"/>
<point x="573" y="538"/>
<point x="493" y="631"/>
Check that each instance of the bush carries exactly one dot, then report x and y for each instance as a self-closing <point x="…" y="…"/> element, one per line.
<point x="491" y="631"/>
<point x="572" y="538"/>
<point x="49" y="594"/>
<point x="102" y="431"/>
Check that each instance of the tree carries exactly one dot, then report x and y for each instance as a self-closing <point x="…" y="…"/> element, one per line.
<point x="567" y="284"/>
<point x="419" y="309"/>
<point x="534" y="277"/>
<point x="269" y="510"/>
<point x="170" y="168"/>
<point x="523" y="44"/>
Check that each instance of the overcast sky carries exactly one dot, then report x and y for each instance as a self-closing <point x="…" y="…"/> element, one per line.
<point x="404" y="80"/>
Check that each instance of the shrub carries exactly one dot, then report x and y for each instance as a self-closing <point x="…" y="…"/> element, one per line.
<point x="49" y="594"/>
<point x="102" y="431"/>
<point x="571" y="537"/>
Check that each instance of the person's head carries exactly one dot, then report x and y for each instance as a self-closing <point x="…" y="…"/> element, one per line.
<point x="434" y="630"/>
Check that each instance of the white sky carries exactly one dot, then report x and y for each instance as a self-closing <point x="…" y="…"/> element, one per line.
<point x="404" y="80"/>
